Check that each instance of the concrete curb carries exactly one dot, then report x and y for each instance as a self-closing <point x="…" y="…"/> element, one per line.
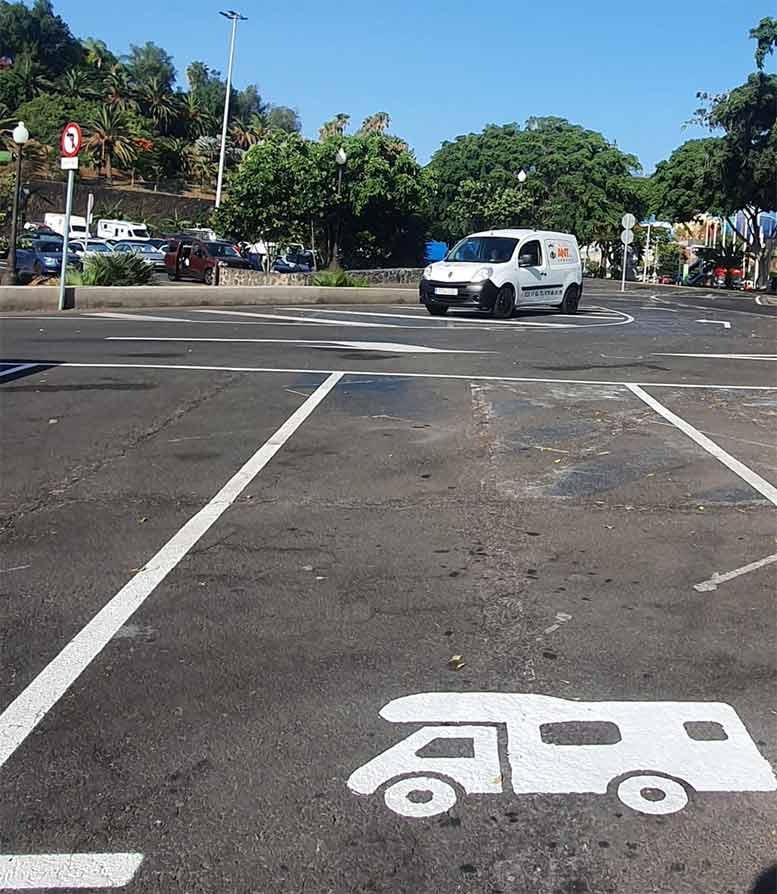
<point x="45" y="298"/>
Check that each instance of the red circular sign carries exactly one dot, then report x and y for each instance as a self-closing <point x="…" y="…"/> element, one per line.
<point x="70" y="141"/>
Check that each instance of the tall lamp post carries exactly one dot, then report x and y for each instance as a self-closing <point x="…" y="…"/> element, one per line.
<point x="341" y="158"/>
<point x="234" y="17"/>
<point x="20" y="136"/>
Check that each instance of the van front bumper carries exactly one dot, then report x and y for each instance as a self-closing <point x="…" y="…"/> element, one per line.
<point x="467" y="294"/>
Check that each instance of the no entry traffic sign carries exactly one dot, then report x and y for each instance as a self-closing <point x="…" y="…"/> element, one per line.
<point x="70" y="141"/>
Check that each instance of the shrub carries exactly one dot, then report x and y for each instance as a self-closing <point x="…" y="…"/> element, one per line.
<point x="117" y="269"/>
<point x="340" y="279"/>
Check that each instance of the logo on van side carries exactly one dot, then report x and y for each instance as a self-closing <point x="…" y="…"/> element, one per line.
<point x="651" y="753"/>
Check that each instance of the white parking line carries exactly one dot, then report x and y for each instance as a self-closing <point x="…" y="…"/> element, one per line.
<point x="386" y="346"/>
<point x="56" y="871"/>
<point x="707" y="586"/>
<point x="282" y="318"/>
<point x="464" y="377"/>
<point x="16" y="369"/>
<point x="443" y="322"/>
<point x="722" y="356"/>
<point x="738" y="468"/>
<point x="27" y="710"/>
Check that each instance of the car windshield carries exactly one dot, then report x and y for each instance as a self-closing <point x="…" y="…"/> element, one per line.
<point x="493" y="249"/>
<point x="221" y="250"/>
<point x="98" y="246"/>
<point x="48" y="247"/>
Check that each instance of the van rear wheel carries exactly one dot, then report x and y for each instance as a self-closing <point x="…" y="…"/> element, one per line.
<point x="571" y="301"/>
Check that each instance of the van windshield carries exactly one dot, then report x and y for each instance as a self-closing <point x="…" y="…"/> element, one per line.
<point x="140" y="233"/>
<point x="493" y="249"/>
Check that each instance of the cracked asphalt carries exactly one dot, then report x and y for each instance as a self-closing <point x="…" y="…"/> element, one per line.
<point x="515" y="519"/>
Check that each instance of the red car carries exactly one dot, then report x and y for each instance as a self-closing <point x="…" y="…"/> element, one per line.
<point x="190" y="258"/>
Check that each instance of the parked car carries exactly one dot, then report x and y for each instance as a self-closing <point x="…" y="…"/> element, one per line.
<point x="161" y="244"/>
<point x="499" y="270"/>
<point x="288" y="265"/>
<point x="42" y="257"/>
<point x="84" y="248"/>
<point x="189" y="258"/>
<point x="148" y="252"/>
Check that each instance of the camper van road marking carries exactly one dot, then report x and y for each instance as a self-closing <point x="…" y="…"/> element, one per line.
<point x="652" y="754"/>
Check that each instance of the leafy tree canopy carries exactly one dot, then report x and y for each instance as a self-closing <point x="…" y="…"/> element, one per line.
<point x="576" y="180"/>
<point x="38" y="31"/>
<point x="148" y="63"/>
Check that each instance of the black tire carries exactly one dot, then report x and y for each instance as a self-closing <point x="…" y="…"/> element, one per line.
<point x="207" y="276"/>
<point x="437" y="310"/>
<point x="37" y="269"/>
<point x="571" y="301"/>
<point x="504" y="303"/>
<point x="172" y="276"/>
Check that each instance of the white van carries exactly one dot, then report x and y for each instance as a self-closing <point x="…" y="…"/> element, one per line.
<point x="499" y="270"/>
<point x="118" y="230"/>
<point x="78" y="226"/>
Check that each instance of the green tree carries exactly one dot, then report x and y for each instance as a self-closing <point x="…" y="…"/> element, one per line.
<point x="150" y="62"/>
<point x="46" y="115"/>
<point x="576" y="180"/>
<point x="282" y="118"/>
<point x="377" y="123"/>
<point x="158" y="102"/>
<point x="110" y="136"/>
<point x="118" y="92"/>
<point x="97" y="54"/>
<point x="37" y="31"/>
<point x="733" y="171"/>
<point x="269" y="197"/>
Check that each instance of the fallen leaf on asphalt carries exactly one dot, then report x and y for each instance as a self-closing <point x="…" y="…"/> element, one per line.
<point x="307" y="567"/>
<point x="142" y="521"/>
<point x="456" y="662"/>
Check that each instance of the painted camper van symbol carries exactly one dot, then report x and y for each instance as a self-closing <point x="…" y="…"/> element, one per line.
<point x="651" y="753"/>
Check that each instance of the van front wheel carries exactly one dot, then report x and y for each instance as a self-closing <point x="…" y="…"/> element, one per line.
<point x="657" y="795"/>
<point x="504" y="303"/>
<point x="420" y="796"/>
<point x="571" y="301"/>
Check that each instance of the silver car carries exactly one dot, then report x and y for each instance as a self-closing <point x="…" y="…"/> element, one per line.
<point x="148" y="252"/>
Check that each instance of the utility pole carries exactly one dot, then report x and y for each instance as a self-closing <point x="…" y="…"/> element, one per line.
<point x="234" y="17"/>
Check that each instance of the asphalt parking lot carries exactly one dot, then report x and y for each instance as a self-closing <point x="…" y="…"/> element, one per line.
<point x="543" y="548"/>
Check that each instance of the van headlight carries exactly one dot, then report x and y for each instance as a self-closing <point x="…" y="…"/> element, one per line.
<point x="483" y="273"/>
<point x="428" y="272"/>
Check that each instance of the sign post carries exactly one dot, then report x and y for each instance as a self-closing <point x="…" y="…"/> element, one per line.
<point x="627" y="237"/>
<point x="70" y="144"/>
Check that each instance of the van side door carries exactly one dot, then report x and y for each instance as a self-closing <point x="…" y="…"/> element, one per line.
<point x="532" y="273"/>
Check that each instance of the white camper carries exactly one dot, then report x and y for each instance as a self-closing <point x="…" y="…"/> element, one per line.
<point x="118" y="230"/>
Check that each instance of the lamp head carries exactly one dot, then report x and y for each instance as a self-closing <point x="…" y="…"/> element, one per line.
<point x="20" y="134"/>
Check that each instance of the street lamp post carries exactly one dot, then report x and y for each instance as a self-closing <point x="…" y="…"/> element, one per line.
<point x="20" y="136"/>
<point x="341" y="158"/>
<point x="234" y="17"/>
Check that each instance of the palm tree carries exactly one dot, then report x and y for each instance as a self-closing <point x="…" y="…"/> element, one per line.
<point x="199" y="120"/>
<point x="377" y="123"/>
<point x="335" y="127"/>
<point x="110" y="136"/>
<point x="97" y="53"/>
<point x="30" y="76"/>
<point x="118" y="92"/>
<point x="158" y="102"/>
<point x="78" y="83"/>
<point x="244" y="135"/>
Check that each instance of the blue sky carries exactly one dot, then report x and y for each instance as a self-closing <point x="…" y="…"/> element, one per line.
<point x="441" y="69"/>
